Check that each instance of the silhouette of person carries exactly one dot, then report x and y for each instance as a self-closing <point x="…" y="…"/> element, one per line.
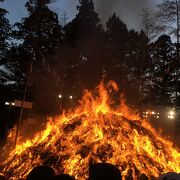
<point x="170" y="176"/>
<point x="2" y="177"/>
<point x="104" y="171"/>
<point x="143" y="177"/>
<point x="62" y="177"/>
<point x="41" y="173"/>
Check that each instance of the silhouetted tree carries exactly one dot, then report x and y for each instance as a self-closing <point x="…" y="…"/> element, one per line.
<point x="84" y="38"/>
<point x="5" y="33"/>
<point x="41" y="36"/>
<point x="169" y="18"/>
<point x="163" y="55"/>
<point x="32" y="5"/>
<point x="138" y="63"/>
<point x="85" y="24"/>
<point x="40" y="32"/>
<point x="16" y="66"/>
<point x="81" y="53"/>
<point x="116" y="48"/>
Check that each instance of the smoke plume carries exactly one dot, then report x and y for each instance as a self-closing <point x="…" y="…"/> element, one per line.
<point x="129" y="11"/>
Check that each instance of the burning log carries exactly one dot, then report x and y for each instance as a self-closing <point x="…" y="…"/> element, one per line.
<point x="95" y="132"/>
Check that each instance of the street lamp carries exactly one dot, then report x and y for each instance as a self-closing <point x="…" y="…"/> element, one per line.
<point x="70" y="97"/>
<point x="7" y="103"/>
<point x="171" y="114"/>
<point x="60" y="96"/>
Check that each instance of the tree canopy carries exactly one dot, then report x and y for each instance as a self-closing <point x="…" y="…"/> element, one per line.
<point x="55" y="58"/>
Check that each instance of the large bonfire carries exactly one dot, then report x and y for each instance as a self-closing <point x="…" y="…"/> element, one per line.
<point x="96" y="131"/>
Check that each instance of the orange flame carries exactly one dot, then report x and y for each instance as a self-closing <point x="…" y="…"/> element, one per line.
<point x="95" y="132"/>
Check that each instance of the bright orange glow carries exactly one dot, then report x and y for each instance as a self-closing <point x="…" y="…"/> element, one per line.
<point x="95" y="132"/>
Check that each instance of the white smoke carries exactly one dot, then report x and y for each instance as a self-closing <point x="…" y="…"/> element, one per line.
<point x="129" y="11"/>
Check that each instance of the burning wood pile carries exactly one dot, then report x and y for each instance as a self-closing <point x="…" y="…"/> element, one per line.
<point x="95" y="132"/>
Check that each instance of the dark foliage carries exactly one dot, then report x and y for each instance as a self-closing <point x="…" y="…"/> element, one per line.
<point x="55" y="60"/>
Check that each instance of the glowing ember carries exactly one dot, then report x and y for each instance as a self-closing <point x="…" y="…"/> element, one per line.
<point x="95" y="132"/>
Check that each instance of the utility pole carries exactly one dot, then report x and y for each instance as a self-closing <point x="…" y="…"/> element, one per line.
<point x="22" y="104"/>
<point x="36" y="49"/>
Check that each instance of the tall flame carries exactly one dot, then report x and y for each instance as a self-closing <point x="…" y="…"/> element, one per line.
<point x="95" y="132"/>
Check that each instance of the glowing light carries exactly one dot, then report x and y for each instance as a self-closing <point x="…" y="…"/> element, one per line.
<point x="60" y="96"/>
<point x="7" y="103"/>
<point x="171" y="112"/>
<point x="171" y="117"/>
<point x="70" y="97"/>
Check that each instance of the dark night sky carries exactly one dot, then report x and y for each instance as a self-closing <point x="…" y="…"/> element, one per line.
<point x="128" y="10"/>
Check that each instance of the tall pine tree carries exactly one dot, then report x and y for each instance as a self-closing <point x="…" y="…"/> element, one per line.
<point x="5" y="32"/>
<point x="116" y="47"/>
<point x="41" y="36"/>
<point x="84" y="36"/>
<point x="163" y="52"/>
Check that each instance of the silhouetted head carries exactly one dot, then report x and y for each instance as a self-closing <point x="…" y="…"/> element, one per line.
<point x="41" y="173"/>
<point x="2" y="178"/>
<point x="62" y="177"/>
<point x="170" y="176"/>
<point x="143" y="177"/>
<point x="103" y="171"/>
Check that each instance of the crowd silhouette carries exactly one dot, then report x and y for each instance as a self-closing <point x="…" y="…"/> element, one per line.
<point x="98" y="171"/>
